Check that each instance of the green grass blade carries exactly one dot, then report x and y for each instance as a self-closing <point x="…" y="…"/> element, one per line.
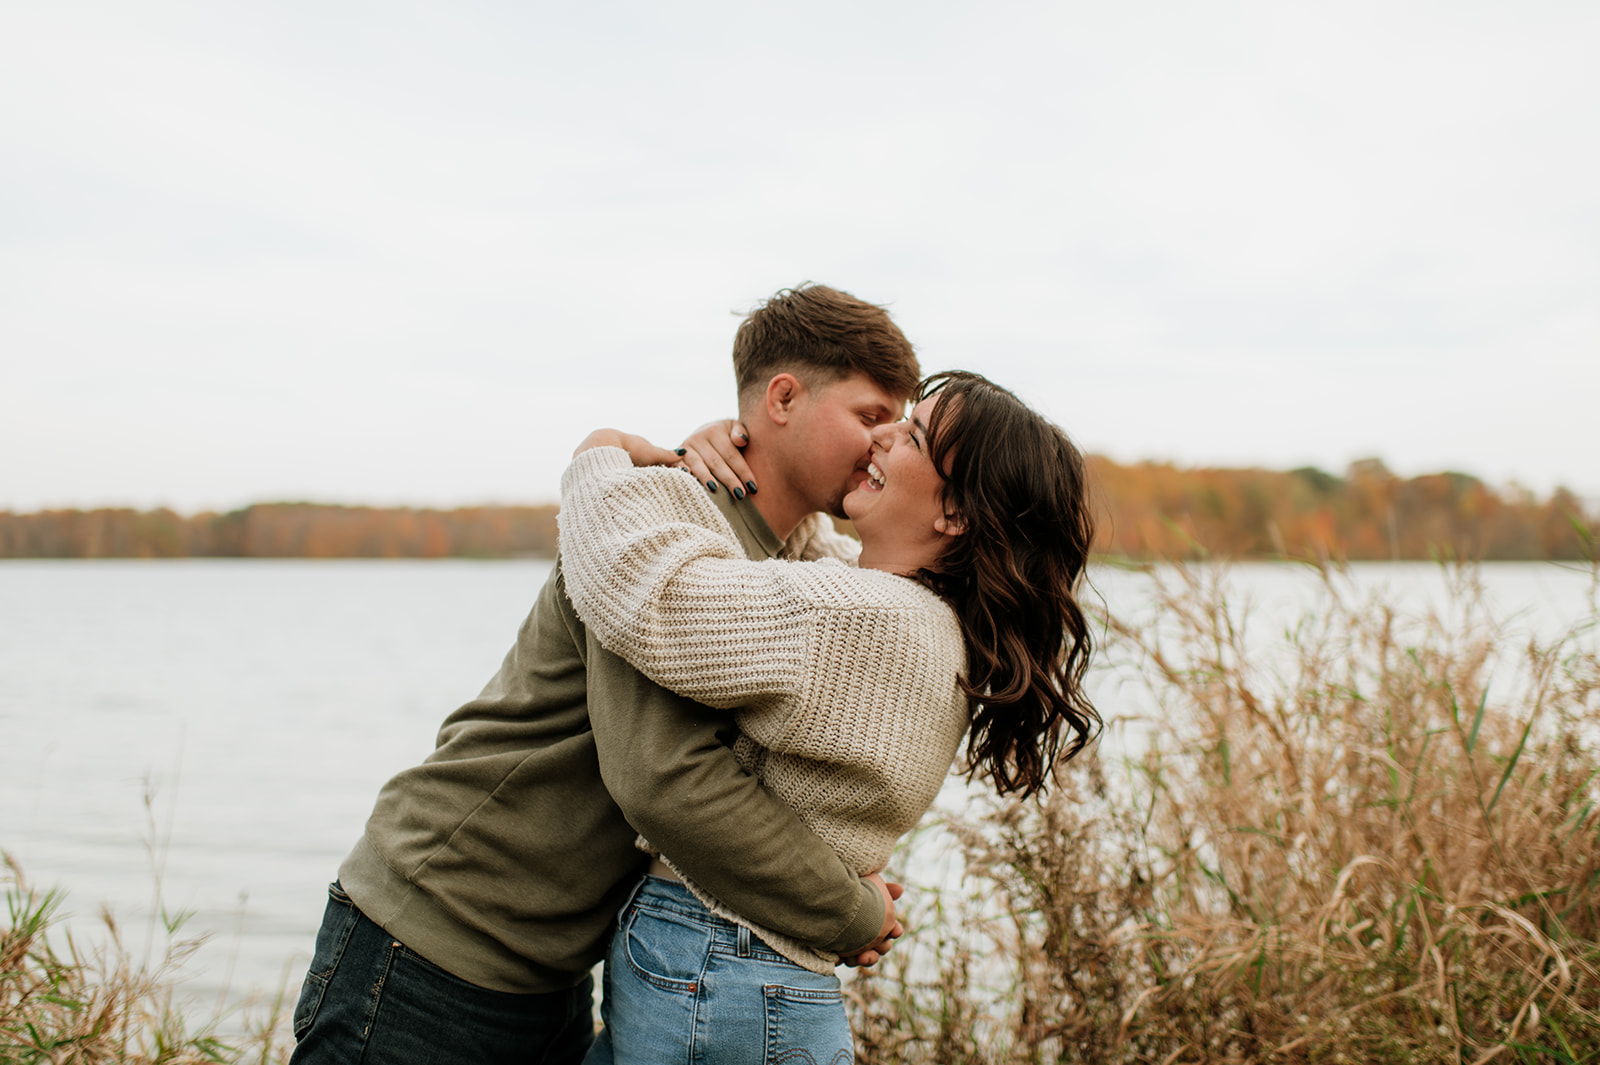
<point x="1512" y="764"/>
<point x="1477" y="720"/>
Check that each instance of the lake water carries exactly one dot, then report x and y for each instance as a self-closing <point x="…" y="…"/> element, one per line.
<point x="220" y="728"/>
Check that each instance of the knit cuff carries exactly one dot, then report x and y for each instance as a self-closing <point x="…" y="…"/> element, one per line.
<point x="594" y="462"/>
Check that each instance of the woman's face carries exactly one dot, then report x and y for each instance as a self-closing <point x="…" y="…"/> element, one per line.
<point x="901" y="501"/>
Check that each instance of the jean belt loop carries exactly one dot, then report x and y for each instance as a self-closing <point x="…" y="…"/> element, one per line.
<point x="744" y="942"/>
<point x="623" y="910"/>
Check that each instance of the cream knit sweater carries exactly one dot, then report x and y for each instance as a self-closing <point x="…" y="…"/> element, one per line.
<point x="844" y="679"/>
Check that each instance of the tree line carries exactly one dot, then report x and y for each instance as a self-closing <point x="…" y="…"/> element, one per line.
<point x="1368" y="514"/>
<point x="1147" y="510"/>
<point x="283" y="530"/>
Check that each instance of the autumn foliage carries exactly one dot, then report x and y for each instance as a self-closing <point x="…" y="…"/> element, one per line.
<point x="1152" y="510"/>
<point x="283" y="530"/>
<point x="1147" y="510"/>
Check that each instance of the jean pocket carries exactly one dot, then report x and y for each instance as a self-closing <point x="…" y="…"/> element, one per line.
<point x="338" y="921"/>
<point x="808" y="1023"/>
<point x="664" y="949"/>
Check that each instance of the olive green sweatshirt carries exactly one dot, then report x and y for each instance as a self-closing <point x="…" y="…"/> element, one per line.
<point x="504" y="857"/>
<point x="845" y="681"/>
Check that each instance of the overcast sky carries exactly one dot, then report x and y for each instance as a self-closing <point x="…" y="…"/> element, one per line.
<point x="411" y="253"/>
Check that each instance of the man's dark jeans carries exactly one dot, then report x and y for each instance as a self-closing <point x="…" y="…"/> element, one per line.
<point x="367" y="998"/>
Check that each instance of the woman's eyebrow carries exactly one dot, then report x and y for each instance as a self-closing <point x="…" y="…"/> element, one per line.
<point x="922" y="428"/>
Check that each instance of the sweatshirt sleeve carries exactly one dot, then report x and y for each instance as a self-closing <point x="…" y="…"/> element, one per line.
<point x="667" y="764"/>
<point x="656" y="575"/>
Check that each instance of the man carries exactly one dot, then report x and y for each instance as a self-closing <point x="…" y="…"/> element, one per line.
<point x="465" y="922"/>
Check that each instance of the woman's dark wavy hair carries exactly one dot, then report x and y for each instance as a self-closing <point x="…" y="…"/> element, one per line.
<point x="1020" y="487"/>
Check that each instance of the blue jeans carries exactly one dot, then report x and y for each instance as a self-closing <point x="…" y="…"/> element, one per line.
<point x="684" y="985"/>
<point x="367" y="998"/>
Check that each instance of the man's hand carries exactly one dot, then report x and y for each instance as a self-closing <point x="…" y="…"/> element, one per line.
<point x="873" y="952"/>
<point x="712" y="454"/>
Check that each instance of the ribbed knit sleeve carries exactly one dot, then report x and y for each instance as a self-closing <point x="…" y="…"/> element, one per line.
<point x="654" y="570"/>
<point x="843" y="680"/>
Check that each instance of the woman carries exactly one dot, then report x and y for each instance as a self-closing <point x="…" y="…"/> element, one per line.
<point x="854" y="685"/>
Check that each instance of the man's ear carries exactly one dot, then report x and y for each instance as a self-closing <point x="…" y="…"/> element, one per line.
<point x="782" y="392"/>
<point x="949" y="525"/>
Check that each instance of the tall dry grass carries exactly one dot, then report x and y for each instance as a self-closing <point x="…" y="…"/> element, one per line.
<point x="1372" y="836"/>
<point x="66" y="999"/>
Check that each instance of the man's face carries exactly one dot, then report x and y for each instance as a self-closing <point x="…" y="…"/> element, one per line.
<point x="832" y="438"/>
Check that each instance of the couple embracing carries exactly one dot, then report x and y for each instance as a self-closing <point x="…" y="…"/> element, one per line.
<point x="718" y="719"/>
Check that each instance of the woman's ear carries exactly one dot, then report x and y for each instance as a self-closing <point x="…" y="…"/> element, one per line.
<point x="949" y="525"/>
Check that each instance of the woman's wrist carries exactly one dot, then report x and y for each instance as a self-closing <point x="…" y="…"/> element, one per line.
<point x="641" y="451"/>
<point x="600" y="438"/>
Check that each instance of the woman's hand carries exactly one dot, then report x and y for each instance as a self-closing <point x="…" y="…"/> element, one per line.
<point x="712" y="454"/>
<point x="640" y="450"/>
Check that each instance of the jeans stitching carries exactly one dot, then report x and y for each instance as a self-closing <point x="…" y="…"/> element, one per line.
<point x="665" y="983"/>
<point x="375" y="1003"/>
<point x="808" y="994"/>
<point x="351" y="918"/>
<point x="776" y="993"/>
<point x="306" y="1010"/>
<point x="756" y="953"/>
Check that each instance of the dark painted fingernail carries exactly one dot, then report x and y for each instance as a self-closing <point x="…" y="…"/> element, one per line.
<point x="680" y="451"/>
<point x="711" y="486"/>
<point x="738" y="493"/>
<point x="751" y="485"/>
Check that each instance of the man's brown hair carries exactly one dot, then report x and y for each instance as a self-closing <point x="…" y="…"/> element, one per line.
<point x="822" y="335"/>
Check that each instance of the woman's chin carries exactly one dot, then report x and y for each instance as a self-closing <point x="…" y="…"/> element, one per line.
<point x="860" y="497"/>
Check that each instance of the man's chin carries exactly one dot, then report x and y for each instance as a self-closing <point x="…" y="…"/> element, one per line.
<point x="837" y="507"/>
